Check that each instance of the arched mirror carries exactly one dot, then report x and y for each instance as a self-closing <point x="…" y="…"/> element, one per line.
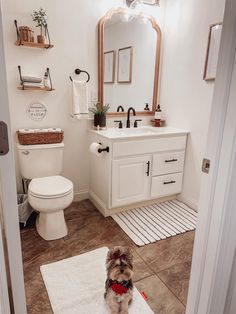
<point x="129" y="58"/>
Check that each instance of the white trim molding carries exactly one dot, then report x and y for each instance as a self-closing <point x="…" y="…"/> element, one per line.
<point x="81" y="195"/>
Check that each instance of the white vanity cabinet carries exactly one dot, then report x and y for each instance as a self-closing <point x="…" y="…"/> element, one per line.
<point x="137" y="169"/>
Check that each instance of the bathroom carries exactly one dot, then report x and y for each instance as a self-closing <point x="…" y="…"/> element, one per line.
<point x="185" y="99"/>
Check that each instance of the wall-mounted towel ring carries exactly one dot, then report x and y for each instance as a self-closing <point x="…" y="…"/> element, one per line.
<point x="78" y="71"/>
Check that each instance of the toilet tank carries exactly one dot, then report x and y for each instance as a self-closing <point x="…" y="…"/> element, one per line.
<point x="37" y="161"/>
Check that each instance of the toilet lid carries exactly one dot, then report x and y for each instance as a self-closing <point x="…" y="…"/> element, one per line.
<point x="48" y="187"/>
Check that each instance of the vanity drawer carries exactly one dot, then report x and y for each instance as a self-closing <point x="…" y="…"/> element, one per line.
<point x="164" y="163"/>
<point x="147" y="146"/>
<point x="166" y="185"/>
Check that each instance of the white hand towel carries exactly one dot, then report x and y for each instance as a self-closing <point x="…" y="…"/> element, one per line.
<point x="79" y="98"/>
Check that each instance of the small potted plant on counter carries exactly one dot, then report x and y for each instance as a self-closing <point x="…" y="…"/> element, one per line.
<point x="99" y="114"/>
<point x="40" y="17"/>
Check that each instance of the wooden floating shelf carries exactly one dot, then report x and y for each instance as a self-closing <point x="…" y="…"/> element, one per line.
<point x="37" y="88"/>
<point x="33" y="44"/>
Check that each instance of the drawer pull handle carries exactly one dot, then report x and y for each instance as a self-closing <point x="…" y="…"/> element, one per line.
<point x="169" y="182"/>
<point x="148" y="168"/>
<point x="171" y="160"/>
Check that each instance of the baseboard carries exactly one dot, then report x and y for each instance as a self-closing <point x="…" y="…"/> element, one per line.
<point x="188" y="201"/>
<point x="81" y="195"/>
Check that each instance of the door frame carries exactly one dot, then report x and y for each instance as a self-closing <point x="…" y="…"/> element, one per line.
<point x="4" y="296"/>
<point x="9" y="216"/>
<point x="214" y="246"/>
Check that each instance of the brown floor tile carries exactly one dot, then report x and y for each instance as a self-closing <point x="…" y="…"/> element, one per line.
<point x="160" y="298"/>
<point x="176" y="278"/>
<point x="141" y="269"/>
<point x="166" y="253"/>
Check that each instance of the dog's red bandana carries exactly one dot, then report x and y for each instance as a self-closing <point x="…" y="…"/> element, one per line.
<point x="119" y="289"/>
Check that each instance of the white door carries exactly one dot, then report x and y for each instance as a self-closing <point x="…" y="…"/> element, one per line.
<point x="215" y="241"/>
<point x="131" y="180"/>
<point x="12" y="247"/>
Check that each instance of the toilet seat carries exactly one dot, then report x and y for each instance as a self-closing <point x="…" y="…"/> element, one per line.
<point x="50" y="187"/>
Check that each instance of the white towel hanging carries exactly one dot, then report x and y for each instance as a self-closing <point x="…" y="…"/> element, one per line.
<point x="79" y="99"/>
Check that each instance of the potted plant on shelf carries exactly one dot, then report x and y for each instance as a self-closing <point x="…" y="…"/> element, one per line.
<point x="99" y="114"/>
<point x="40" y="17"/>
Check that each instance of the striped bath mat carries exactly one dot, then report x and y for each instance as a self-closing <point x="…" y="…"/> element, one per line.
<point x="148" y="224"/>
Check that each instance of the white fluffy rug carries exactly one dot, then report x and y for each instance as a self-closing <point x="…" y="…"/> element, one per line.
<point x="76" y="285"/>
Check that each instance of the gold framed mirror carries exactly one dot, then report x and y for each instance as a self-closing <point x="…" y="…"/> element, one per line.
<point x="135" y="40"/>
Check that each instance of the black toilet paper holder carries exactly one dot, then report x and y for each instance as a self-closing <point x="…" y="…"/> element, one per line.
<point x="100" y="150"/>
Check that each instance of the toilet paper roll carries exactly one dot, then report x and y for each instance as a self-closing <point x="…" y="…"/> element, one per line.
<point x="94" y="147"/>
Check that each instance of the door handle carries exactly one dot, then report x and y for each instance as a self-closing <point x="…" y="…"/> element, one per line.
<point x="170" y="182"/>
<point x="148" y="168"/>
<point x="4" y="144"/>
<point x="171" y="160"/>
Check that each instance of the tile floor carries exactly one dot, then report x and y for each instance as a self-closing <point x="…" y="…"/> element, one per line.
<point x="161" y="269"/>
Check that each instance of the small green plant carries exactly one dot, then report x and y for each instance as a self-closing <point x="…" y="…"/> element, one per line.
<point x="98" y="109"/>
<point x="40" y="17"/>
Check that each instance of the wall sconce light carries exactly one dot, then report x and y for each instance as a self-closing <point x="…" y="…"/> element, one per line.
<point x="133" y="3"/>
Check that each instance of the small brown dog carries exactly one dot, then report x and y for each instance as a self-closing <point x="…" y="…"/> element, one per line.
<point x="119" y="285"/>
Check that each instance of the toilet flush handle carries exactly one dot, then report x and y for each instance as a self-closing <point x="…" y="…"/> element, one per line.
<point x="25" y="152"/>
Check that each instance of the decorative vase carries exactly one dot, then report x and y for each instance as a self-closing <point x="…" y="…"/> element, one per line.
<point x="100" y="120"/>
<point x="40" y="39"/>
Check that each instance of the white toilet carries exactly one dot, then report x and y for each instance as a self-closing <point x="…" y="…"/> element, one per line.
<point x="48" y="192"/>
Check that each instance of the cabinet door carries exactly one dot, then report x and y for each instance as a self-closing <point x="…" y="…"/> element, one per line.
<point x="130" y="180"/>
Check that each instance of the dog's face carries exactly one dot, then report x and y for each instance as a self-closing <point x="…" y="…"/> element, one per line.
<point x="119" y="264"/>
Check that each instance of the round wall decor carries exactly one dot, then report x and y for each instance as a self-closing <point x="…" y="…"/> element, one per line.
<point x="37" y="111"/>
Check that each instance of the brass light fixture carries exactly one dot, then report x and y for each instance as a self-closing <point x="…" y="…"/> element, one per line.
<point x="133" y="3"/>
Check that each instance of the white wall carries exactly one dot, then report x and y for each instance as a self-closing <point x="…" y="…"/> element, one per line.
<point x="73" y="29"/>
<point x="143" y="39"/>
<point x="185" y="97"/>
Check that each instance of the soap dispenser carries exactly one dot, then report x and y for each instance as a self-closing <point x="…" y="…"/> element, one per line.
<point x="158" y="113"/>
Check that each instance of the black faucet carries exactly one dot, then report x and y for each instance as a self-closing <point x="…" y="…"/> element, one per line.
<point x="120" y="107"/>
<point x="128" y="116"/>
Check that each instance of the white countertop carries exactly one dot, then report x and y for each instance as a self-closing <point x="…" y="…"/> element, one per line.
<point x="143" y="132"/>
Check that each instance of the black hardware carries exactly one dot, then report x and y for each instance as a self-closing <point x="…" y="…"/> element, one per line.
<point x="206" y="163"/>
<point x="170" y="182"/>
<point x="47" y="34"/>
<point x="50" y="79"/>
<point x="17" y="32"/>
<point x="128" y="116"/>
<point x="136" y="123"/>
<point x="120" y="123"/>
<point x="148" y="169"/>
<point x="78" y="71"/>
<point x="147" y="107"/>
<point x="22" y="81"/>
<point x="171" y="160"/>
<point x="107" y="149"/>
<point x="4" y="145"/>
<point x="120" y="108"/>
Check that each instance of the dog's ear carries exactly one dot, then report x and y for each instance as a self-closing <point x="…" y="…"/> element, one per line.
<point x="128" y="256"/>
<point x="113" y="254"/>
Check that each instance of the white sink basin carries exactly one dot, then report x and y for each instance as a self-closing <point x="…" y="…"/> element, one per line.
<point x="136" y="131"/>
<point x="144" y="131"/>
